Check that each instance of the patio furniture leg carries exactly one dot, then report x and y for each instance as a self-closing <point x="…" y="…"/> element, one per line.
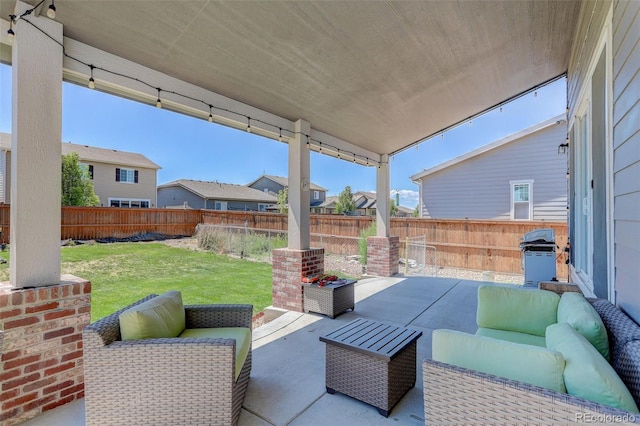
<point x="330" y="390"/>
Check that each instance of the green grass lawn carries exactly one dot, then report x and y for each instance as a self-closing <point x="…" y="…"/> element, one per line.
<point x="120" y="274"/>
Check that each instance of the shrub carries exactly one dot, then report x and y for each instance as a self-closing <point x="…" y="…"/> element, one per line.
<point x="362" y="243"/>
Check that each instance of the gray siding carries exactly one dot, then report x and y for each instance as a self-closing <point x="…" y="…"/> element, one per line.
<point x="626" y="154"/>
<point x="479" y="187"/>
<point x="263" y="183"/>
<point x="176" y="196"/>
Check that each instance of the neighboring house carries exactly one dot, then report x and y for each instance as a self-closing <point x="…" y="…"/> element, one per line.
<point x="120" y="179"/>
<point x="272" y="184"/>
<point x="520" y="177"/>
<point x="197" y="194"/>
<point x="365" y="205"/>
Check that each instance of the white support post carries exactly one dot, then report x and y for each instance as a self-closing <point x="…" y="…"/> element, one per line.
<point x="36" y="152"/>
<point x="299" y="181"/>
<point x="382" y="197"/>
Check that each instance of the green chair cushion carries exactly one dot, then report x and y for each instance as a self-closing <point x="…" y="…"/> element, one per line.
<point x="578" y="312"/>
<point x="162" y="316"/>
<point x="587" y="374"/>
<point x="242" y="336"/>
<point x="516" y="309"/>
<point x="512" y="336"/>
<point x="524" y="363"/>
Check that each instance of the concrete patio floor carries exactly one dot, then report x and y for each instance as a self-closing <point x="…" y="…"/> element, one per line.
<point x="287" y="385"/>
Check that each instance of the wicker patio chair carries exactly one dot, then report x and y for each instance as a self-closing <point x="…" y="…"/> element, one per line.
<point x="166" y="381"/>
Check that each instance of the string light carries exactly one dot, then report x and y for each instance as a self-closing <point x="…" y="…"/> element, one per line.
<point x="535" y="94"/>
<point x="500" y="109"/>
<point x="51" y="11"/>
<point x="92" y="82"/>
<point x="341" y="153"/>
<point x="10" y="33"/>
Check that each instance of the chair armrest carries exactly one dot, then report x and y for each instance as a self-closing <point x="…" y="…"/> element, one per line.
<point x="211" y="316"/>
<point x="455" y="395"/>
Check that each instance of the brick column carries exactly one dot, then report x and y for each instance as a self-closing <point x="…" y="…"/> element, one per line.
<point x="383" y="255"/>
<point x="289" y="267"/>
<point x="41" y="364"/>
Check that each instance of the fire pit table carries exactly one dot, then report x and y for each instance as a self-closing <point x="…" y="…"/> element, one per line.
<point x="331" y="299"/>
<point x="371" y="361"/>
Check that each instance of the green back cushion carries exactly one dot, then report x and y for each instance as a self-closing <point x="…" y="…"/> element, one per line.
<point x="587" y="374"/>
<point x="241" y="335"/>
<point x="512" y="336"/>
<point x="524" y="363"/>
<point x="162" y="316"/>
<point x="578" y="312"/>
<point x="516" y="309"/>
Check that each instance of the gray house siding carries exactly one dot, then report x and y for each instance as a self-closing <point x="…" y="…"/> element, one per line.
<point x="176" y="196"/>
<point x="626" y="154"/>
<point x="479" y="187"/>
<point x="235" y="205"/>
<point x="264" y="183"/>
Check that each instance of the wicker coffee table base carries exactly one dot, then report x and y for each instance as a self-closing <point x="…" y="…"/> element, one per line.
<point x="371" y="380"/>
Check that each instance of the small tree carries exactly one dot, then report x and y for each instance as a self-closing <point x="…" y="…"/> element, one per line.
<point x="393" y="209"/>
<point x="345" y="202"/>
<point x="77" y="188"/>
<point x="416" y="212"/>
<point x="283" y="196"/>
<point x="370" y="231"/>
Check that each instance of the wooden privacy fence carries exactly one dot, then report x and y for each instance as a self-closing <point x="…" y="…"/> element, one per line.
<point x="88" y="223"/>
<point x="481" y="245"/>
<point x="471" y="244"/>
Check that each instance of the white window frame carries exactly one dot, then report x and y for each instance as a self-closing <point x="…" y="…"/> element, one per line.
<point x="316" y="195"/>
<point x="128" y="201"/>
<point x="581" y="272"/>
<point x="513" y="184"/>
<point x="129" y="173"/>
<point x="221" y="204"/>
<point x="263" y="207"/>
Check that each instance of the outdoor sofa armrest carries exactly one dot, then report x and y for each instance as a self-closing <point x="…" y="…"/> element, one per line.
<point x="455" y="395"/>
<point x="212" y="316"/>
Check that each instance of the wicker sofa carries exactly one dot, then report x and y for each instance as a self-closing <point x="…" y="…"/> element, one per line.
<point x="454" y="395"/>
<point x="165" y="381"/>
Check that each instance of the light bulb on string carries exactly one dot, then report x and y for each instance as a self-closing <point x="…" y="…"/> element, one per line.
<point x="51" y="12"/>
<point x="280" y="136"/>
<point x="210" y="114"/>
<point x="92" y="82"/>
<point x="10" y="33"/>
<point x="158" y="101"/>
<point x="248" y="124"/>
<point x="500" y="109"/>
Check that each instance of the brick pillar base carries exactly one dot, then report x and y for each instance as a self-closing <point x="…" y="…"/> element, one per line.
<point x="41" y="364"/>
<point x="383" y="255"/>
<point x="289" y="267"/>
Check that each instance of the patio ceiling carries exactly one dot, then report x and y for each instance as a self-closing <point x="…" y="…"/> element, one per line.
<point x="380" y="75"/>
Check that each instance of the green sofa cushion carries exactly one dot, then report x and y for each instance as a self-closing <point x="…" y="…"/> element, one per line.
<point x="241" y="335"/>
<point x="516" y="309"/>
<point x="512" y="336"/>
<point x="578" y="312"/>
<point x="524" y="363"/>
<point x="587" y="374"/>
<point x="162" y="316"/>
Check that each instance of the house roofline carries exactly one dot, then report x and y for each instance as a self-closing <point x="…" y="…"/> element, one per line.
<point x="416" y="178"/>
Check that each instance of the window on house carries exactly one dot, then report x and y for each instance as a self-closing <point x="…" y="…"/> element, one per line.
<point x="126" y="175"/>
<point x="220" y="205"/>
<point x="316" y="195"/>
<point x="263" y="207"/>
<point x="521" y="200"/>
<point x="88" y="168"/>
<point x="132" y="203"/>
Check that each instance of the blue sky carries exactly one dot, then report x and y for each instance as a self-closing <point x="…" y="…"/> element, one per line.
<point x="189" y="148"/>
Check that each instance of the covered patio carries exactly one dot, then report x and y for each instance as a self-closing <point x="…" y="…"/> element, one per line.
<point x="360" y="81"/>
<point x="287" y="385"/>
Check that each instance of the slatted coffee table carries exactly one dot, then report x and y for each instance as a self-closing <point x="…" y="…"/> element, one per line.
<point x="371" y="361"/>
